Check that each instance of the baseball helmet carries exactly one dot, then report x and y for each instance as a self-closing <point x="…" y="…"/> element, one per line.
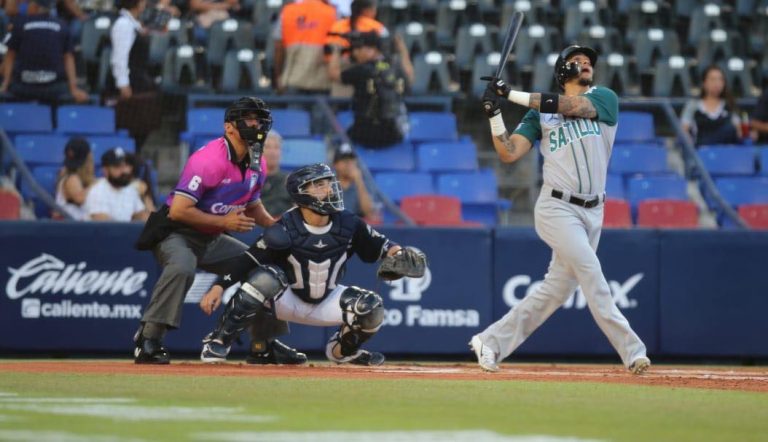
<point x="565" y="71"/>
<point x="250" y="107"/>
<point x="297" y="188"/>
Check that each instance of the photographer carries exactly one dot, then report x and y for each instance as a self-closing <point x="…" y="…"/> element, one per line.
<point x="380" y="116"/>
<point x="131" y="82"/>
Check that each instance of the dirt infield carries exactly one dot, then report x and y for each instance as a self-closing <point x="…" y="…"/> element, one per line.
<point x="722" y="378"/>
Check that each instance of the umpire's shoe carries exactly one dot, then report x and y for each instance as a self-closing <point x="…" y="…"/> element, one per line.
<point x="275" y="353"/>
<point x="150" y="351"/>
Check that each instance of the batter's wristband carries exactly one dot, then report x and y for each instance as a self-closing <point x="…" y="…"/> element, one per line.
<point x="549" y="103"/>
<point x="497" y="125"/>
<point x="521" y="98"/>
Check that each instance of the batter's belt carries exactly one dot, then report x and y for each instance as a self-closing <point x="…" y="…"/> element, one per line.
<point x="588" y="204"/>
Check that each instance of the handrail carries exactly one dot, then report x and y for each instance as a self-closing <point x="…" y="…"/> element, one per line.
<point x="322" y="103"/>
<point x="666" y="105"/>
<point x="26" y="175"/>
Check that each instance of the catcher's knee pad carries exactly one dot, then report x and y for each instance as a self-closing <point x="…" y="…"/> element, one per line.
<point x="265" y="282"/>
<point x="362" y="309"/>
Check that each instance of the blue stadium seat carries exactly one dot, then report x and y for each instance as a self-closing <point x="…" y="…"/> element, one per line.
<point x="46" y="176"/>
<point x="292" y="122"/>
<point x="397" y="185"/>
<point x="345" y="118"/>
<point x="478" y="192"/>
<point x="101" y="144"/>
<point x="41" y="149"/>
<point x="629" y="159"/>
<point x="447" y="156"/>
<point x="635" y="127"/>
<point x="728" y="160"/>
<point x="743" y="190"/>
<point x="656" y="187"/>
<point x="614" y="187"/>
<point x="205" y="120"/>
<point x="432" y="126"/>
<point x="763" y="160"/>
<point x="73" y="119"/>
<point x="25" y="118"/>
<point x="299" y="152"/>
<point x="399" y="157"/>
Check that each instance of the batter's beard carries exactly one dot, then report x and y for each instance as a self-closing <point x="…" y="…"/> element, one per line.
<point x="585" y="82"/>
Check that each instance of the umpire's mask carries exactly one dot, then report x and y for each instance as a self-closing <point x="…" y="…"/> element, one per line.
<point x="251" y="108"/>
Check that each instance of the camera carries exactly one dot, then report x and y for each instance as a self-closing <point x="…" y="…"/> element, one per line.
<point x="154" y="17"/>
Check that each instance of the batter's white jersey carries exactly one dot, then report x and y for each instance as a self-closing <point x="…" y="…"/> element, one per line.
<point x="576" y="150"/>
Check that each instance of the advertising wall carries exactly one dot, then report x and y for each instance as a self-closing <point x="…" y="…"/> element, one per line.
<point x="71" y="287"/>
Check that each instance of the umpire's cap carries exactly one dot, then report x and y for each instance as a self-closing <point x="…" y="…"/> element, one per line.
<point x="562" y="73"/>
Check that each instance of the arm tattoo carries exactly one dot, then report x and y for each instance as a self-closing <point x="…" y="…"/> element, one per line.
<point x="569" y="106"/>
<point x="506" y="140"/>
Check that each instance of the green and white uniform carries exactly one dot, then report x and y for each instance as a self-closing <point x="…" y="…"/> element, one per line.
<point x="576" y="153"/>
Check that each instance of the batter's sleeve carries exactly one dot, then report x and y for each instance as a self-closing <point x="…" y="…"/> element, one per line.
<point x="530" y="126"/>
<point x="606" y="103"/>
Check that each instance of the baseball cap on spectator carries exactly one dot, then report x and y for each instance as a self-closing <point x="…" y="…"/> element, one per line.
<point x="47" y="4"/>
<point x="75" y="153"/>
<point x="114" y="157"/>
<point x="344" y="153"/>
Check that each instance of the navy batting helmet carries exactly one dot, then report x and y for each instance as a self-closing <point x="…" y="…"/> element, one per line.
<point x="565" y="71"/>
<point x="297" y="188"/>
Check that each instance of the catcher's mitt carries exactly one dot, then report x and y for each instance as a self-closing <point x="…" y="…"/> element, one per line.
<point x="408" y="261"/>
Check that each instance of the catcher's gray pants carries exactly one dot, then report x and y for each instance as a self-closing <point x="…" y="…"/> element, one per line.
<point x="180" y="254"/>
<point x="573" y="233"/>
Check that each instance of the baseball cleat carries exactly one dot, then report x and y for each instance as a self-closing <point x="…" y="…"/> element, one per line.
<point x="276" y="353"/>
<point x="640" y="365"/>
<point x="368" y="358"/>
<point x="150" y="351"/>
<point x="214" y="352"/>
<point x="486" y="357"/>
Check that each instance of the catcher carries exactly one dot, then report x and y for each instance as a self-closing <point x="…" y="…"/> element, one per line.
<point x="294" y="267"/>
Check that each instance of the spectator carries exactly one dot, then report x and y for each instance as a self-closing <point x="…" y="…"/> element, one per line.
<point x="137" y="108"/>
<point x="356" y="197"/>
<point x="75" y="179"/>
<point x="380" y="116"/>
<point x="209" y="11"/>
<point x="39" y="64"/>
<point x="363" y="19"/>
<point x="713" y="118"/>
<point x="140" y="179"/>
<point x="299" y="36"/>
<point x="760" y="120"/>
<point x="112" y="198"/>
<point x="275" y="196"/>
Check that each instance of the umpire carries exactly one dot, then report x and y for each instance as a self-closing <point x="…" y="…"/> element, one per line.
<point x="219" y="191"/>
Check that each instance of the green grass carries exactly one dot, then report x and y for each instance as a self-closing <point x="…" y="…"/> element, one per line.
<point x="584" y="410"/>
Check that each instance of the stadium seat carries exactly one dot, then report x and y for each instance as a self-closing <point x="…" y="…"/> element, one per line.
<point x="180" y="70"/>
<point x="397" y="185"/>
<point x="472" y="40"/>
<point x="715" y="47"/>
<point x="672" y="77"/>
<point x="533" y="42"/>
<point x="629" y="159"/>
<point x="743" y="190"/>
<point x="101" y="144"/>
<point x="653" y="45"/>
<point x="647" y="15"/>
<point x="431" y="74"/>
<point x="291" y="122"/>
<point x="485" y="65"/>
<point x="299" y="152"/>
<point x="435" y="210"/>
<point x="635" y="127"/>
<point x="478" y="192"/>
<point x="263" y="15"/>
<point x="616" y="213"/>
<point x="414" y="37"/>
<point x="763" y="155"/>
<point x="242" y="72"/>
<point x="614" y="187"/>
<point x="46" y="177"/>
<point x="432" y="126"/>
<point x="41" y="149"/>
<point x="345" y="118"/>
<point x="543" y="67"/>
<point x="450" y="16"/>
<point x="94" y="37"/>
<point x="583" y="15"/>
<point x="755" y="215"/>
<point x="25" y="118"/>
<point x="74" y="119"/>
<point x="656" y="187"/>
<point x="704" y="18"/>
<point x="739" y="77"/>
<point x="603" y="39"/>
<point x="10" y="205"/>
<point x="225" y="35"/>
<point x="667" y="214"/>
<point x="399" y="157"/>
<point x="447" y="156"/>
<point x="728" y="160"/>
<point x="161" y="42"/>
<point x="207" y="120"/>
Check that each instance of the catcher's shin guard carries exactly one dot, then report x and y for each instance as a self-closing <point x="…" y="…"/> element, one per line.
<point x="363" y="315"/>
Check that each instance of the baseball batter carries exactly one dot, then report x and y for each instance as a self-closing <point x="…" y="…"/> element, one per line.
<point x="576" y="130"/>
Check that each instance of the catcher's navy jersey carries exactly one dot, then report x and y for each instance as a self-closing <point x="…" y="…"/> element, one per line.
<point x="314" y="258"/>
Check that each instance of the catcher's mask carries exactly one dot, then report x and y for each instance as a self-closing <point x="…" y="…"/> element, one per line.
<point x="566" y="71"/>
<point x="251" y="108"/>
<point x="298" y="188"/>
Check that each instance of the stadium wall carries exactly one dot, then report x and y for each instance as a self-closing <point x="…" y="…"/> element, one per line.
<point x="81" y="287"/>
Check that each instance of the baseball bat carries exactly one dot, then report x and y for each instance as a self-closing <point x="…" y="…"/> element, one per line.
<point x="509" y="41"/>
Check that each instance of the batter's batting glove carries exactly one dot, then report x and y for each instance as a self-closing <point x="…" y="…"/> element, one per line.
<point x="497" y="86"/>
<point x="491" y="104"/>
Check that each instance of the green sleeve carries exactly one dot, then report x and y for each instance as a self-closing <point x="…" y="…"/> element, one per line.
<point x="530" y="126"/>
<point x="607" y="104"/>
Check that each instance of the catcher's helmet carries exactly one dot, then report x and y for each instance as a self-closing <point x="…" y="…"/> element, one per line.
<point x="250" y="107"/>
<point x="565" y="71"/>
<point x="297" y="188"/>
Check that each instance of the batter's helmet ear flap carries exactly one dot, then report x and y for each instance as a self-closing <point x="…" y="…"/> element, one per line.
<point x="565" y="71"/>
